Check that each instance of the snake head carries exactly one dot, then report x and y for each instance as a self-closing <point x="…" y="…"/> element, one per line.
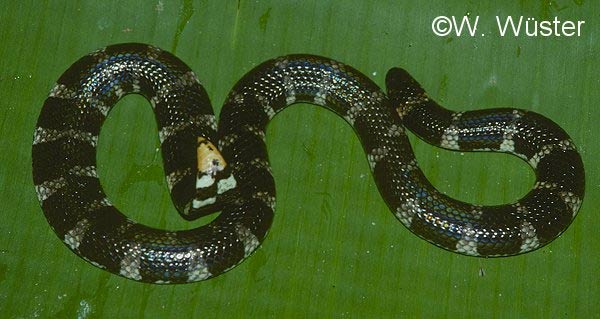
<point x="213" y="181"/>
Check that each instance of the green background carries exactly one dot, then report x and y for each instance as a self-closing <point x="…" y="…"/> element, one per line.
<point x="334" y="249"/>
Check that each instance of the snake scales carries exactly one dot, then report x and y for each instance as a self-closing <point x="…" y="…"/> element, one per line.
<point x="238" y="181"/>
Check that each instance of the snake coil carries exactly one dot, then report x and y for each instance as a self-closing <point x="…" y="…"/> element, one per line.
<point x="225" y="167"/>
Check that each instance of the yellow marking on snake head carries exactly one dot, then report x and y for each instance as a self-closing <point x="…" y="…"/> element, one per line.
<point x="210" y="160"/>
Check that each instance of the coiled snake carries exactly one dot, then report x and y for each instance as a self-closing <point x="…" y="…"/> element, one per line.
<point x="225" y="167"/>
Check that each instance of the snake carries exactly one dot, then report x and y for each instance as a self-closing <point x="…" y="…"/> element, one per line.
<point x="223" y="167"/>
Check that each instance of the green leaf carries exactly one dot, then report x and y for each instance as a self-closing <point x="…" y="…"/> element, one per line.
<point x="334" y="249"/>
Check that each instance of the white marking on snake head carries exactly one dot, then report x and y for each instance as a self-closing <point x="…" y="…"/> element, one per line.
<point x="204" y="181"/>
<point x="226" y="184"/>
<point x="196" y="203"/>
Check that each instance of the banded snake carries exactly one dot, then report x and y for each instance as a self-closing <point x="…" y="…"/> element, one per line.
<point x="211" y="167"/>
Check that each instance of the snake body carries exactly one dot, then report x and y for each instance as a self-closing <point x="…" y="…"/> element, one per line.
<point x="226" y="167"/>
